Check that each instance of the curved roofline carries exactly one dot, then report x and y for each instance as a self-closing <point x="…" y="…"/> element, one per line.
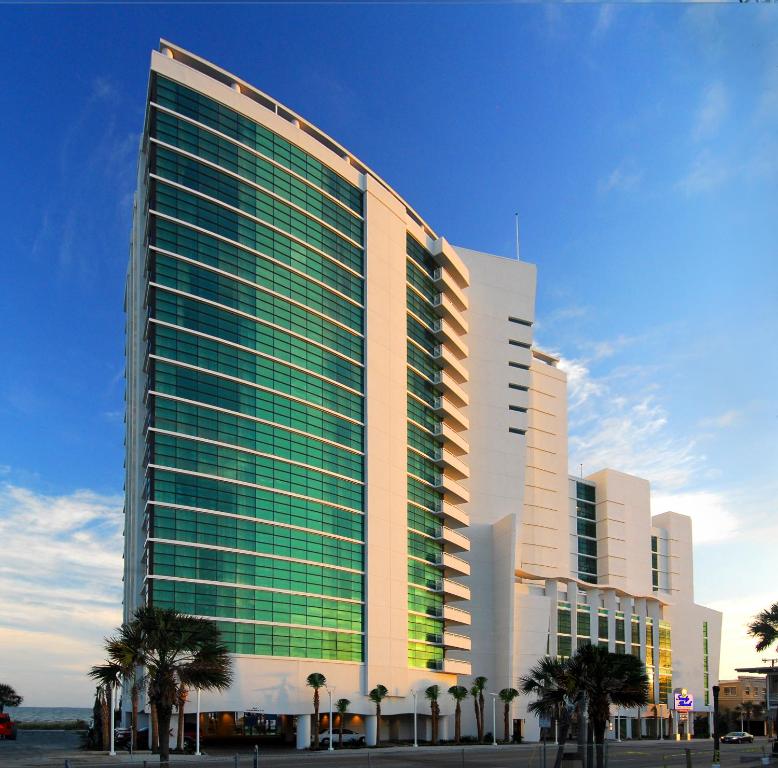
<point x="227" y="78"/>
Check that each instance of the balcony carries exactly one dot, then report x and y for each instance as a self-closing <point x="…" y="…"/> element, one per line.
<point x="453" y="441"/>
<point x="450" y="387"/>
<point x="446" y="334"/>
<point x="456" y="467"/>
<point x="454" y="516"/>
<point x="453" y="565"/>
<point x="456" y="666"/>
<point x="455" y="590"/>
<point x="445" y="408"/>
<point x="452" y="490"/>
<point x="445" y="307"/>
<point x="454" y="640"/>
<point x="447" y="257"/>
<point x="453" y="538"/>
<point x="445" y="283"/>
<point x="443" y="356"/>
<point x="454" y="615"/>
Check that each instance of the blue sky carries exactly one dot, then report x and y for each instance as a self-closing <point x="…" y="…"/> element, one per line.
<point x="639" y="144"/>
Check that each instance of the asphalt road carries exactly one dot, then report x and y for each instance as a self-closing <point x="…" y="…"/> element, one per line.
<point x="44" y="749"/>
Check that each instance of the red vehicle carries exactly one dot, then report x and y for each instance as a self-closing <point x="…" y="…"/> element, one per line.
<point x="7" y="726"/>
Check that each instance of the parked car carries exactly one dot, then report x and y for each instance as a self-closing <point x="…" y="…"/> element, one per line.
<point x="7" y="726"/>
<point x="123" y="736"/>
<point x="350" y="738"/>
<point x="737" y="737"/>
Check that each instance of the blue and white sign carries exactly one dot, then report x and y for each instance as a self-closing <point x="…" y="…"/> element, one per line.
<point x="684" y="701"/>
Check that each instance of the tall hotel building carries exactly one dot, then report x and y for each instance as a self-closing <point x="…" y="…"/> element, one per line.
<point x="342" y="445"/>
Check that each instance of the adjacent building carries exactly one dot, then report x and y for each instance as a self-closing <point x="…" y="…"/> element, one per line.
<point x="343" y="446"/>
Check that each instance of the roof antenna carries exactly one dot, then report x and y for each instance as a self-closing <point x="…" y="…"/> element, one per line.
<point x="518" y="257"/>
<point x="581" y="466"/>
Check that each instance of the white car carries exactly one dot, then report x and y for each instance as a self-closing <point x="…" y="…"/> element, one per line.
<point x="350" y="738"/>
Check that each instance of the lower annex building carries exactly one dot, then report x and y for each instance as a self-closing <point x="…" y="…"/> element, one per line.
<point x="343" y="447"/>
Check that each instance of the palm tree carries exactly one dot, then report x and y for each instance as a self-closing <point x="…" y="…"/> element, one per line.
<point x="341" y="705"/>
<point x="555" y="696"/>
<point x="108" y="677"/>
<point x="432" y="692"/>
<point x="764" y="628"/>
<point x="474" y="694"/>
<point x="744" y="711"/>
<point x="507" y="695"/>
<point x="377" y="695"/>
<point x="479" y="685"/>
<point x="459" y="692"/>
<point x="9" y="697"/>
<point x="126" y="650"/>
<point x="182" y="694"/>
<point x="607" y="678"/>
<point x="175" y="649"/>
<point x="316" y="680"/>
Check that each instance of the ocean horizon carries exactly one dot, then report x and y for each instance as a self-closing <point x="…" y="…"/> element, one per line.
<point x="49" y="714"/>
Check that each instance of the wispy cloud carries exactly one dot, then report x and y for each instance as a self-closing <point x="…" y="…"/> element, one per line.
<point x="624" y="177"/>
<point x="726" y="419"/>
<point x="712" y="111"/>
<point x="61" y="574"/>
<point x="605" y="15"/>
<point x="706" y="173"/>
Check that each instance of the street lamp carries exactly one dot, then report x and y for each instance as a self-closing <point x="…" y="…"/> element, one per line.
<point x="330" y="747"/>
<point x="494" y="718"/>
<point x="415" y="731"/>
<point x="112" y="690"/>
<point x="197" y="725"/>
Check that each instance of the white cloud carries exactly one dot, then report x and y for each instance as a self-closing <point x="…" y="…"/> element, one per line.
<point x="61" y="574"/>
<point x="712" y="111"/>
<point x="624" y="177"/>
<point x="710" y="511"/>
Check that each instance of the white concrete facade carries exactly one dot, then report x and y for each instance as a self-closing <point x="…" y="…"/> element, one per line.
<point x="509" y="527"/>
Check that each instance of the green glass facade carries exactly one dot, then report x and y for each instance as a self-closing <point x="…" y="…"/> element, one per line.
<point x="586" y="517"/>
<point x="425" y="551"/>
<point x="255" y="374"/>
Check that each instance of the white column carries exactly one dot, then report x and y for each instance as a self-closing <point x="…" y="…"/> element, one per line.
<point x="443" y="727"/>
<point x="371" y="730"/>
<point x="304" y="731"/>
<point x="710" y="724"/>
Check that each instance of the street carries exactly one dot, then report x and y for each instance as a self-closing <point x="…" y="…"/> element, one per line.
<point x="41" y="749"/>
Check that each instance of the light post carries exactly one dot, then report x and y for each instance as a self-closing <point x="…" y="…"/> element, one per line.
<point x="197" y="725"/>
<point x="494" y="718"/>
<point x="330" y="746"/>
<point x="112" y="690"/>
<point x="415" y="729"/>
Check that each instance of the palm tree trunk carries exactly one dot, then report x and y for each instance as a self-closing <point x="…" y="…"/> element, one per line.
<point x="105" y="697"/>
<point x="481" y="712"/>
<point x="564" y="729"/>
<point x="340" y="733"/>
<point x="154" y="746"/>
<point x="181" y="721"/>
<point x="315" y="718"/>
<point x="599" y="739"/>
<point x="457" y="723"/>
<point x="477" y="718"/>
<point x="134" y="726"/>
<point x="377" y="724"/>
<point x="506" y="716"/>
<point x="164" y="715"/>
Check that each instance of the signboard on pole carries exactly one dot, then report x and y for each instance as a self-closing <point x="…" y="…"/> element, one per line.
<point x="683" y="701"/>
